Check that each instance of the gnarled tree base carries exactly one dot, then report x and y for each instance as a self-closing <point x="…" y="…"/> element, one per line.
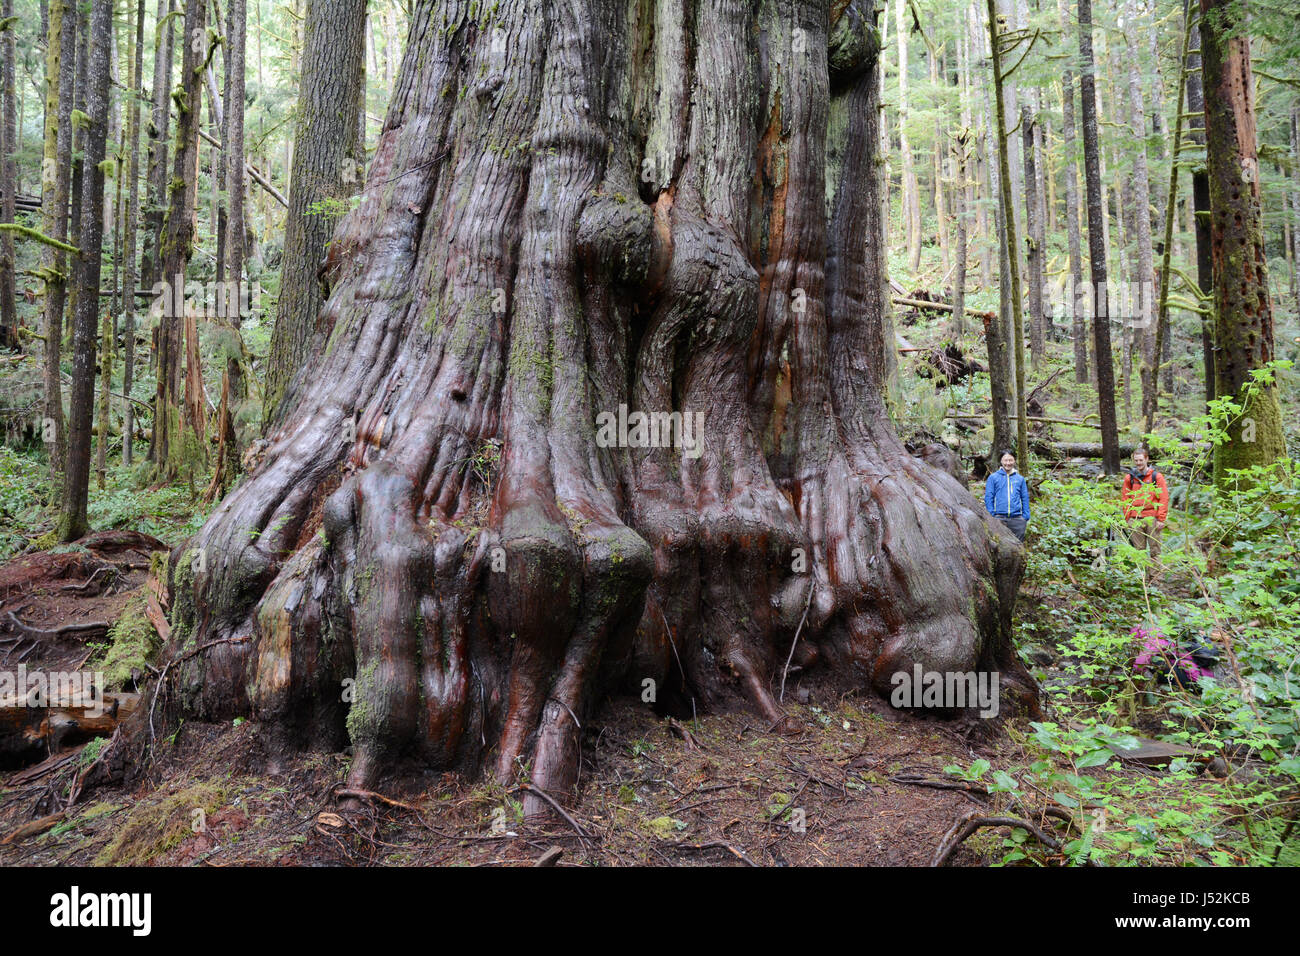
<point x="464" y="535"/>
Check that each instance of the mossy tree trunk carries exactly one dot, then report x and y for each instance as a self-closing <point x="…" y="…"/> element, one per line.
<point x="1201" y="196"/>
<point x="132" y="235"/>
<point x="9" y="146"/>
<point x="998" y="47"/>
<point x="176" y="413"/>
<point x="72" y="520"/>
<point x="575" y="210"/>
<point x="55" y="171"/>
<point x="158" y="151"/>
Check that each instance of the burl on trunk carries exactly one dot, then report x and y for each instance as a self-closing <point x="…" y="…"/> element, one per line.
<point x="464" y="535"/>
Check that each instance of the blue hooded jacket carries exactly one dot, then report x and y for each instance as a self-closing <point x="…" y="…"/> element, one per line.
<point x="1006" y="494"/>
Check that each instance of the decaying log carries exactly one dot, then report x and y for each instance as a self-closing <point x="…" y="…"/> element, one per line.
<point x="1075" y="449"/>
<point x="61" y="720"/>
<point x="939" y="306"/>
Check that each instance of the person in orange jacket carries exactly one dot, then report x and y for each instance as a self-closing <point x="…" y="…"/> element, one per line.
<point x="1146" y="506"/>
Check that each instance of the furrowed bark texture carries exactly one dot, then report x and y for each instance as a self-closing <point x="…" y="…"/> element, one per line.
<point x="72" y="520"/>
<point x="325" y="155"/>
<point x="575" y="207"/>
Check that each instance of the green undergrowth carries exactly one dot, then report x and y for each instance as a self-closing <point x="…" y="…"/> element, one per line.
<point x="1090" y="605"/>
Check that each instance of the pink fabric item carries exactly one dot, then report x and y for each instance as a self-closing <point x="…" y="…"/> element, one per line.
<point x="1156" y="645"/>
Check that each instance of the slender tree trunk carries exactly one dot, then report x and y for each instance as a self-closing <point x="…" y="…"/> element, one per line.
<point x="232" y="386"/>
<point x="1243" y="309"/>
<point x="501" y="305"/>
<point x="60" y="56"/>
<point x="1074" y="254"/>
<point x="8" y="179"/>
<point x="77" y="182"/>
<point x="1009" y="227"/>
<point x="1295" y="205"/>
<point x="1122" y="299"/>
<point x="1036" y="239"/>
<point x="174" y="409"/>
<point x="960" y="144"/>
<point x="132" y="232"/>
<point x="911" y="189"/>
<point x="1143" y="286"/>
<point x="1201" y="199"/>
<point x="1171" y="206"/>
<point x="104" y="410"/>
<point x="940" y="174"/>
<point x="159" y="138"/>
<point x="1096" y="245"/>
<point x="324" y="174"/>
<point x="983" y="184"/>
<point x="72" y="521"/>
<point x="997" y="335"/>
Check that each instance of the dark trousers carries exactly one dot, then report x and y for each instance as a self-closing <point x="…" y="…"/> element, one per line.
<point x="1015" y="524"/>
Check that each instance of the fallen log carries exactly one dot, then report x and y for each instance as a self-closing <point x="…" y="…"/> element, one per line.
<point x="938" y="306"/>
<point x="1042" y="419"/>
<point x="1075" y="449"/>
<point x="253" y="173"/>
<point x="122" y="539"/>
<point x="62" y="718"/>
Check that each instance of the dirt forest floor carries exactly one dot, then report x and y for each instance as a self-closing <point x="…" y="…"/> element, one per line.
<point x="723" y="792"/>
<point x="861" y="784"/>
<point x="855" y="787"/>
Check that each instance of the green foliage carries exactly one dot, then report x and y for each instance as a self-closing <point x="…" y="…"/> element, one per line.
<point x="1230" y="557"/>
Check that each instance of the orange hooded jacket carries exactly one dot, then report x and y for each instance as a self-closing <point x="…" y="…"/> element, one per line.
<point x="1145" y="496"/>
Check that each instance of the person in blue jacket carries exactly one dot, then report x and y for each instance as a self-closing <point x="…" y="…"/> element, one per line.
<point x="1006" y="496"/>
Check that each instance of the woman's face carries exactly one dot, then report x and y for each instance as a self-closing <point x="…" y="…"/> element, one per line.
<point x="1008" y="462"/>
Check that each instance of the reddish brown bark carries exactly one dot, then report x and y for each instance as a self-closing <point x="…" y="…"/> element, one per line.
<point x="437" y="544"/>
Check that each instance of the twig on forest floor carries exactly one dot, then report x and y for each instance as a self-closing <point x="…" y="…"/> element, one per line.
<point x="85" y="585"/>
<point x="372" y="796"/>
<point x="91" y="628"/>
<point x="912" y="780"/>
<point x="970" y="821"/>
<point x="582" y="834"/>
<point x="716" y="845"/>
<point x="550" y="858"/>
<point x="688" y="738"/>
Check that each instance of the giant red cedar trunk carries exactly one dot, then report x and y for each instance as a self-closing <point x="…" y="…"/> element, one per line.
<point x="574" y="209"/>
